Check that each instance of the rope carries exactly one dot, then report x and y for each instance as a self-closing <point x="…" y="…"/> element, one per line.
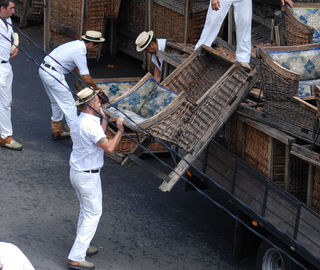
<point x="173" y="170"/>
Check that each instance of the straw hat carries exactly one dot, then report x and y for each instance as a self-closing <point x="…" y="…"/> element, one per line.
<point x="85" y="95"/>
<point x="93" y="36"/>
<point x="143" y="40"/>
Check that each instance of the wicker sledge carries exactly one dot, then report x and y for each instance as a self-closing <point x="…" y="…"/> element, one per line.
<point x="189" y="107"/>
<point x="302" y="23"/>
<point x="200" y="94"/>
<point x="288" y="75"/>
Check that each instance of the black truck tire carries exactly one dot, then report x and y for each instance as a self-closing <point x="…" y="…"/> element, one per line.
<point x="269" y="258"/>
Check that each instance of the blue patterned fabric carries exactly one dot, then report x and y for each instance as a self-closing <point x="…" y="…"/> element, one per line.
<point x="115" y="89"/>
<point x="305" y="87"/>
<point x="306" y="63"/>
<point x="143" y="103"/>
<point x="311" y="17"/>
<point x="129" y="116"/>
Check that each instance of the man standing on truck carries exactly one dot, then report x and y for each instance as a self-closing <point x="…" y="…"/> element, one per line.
<point x="62" y="60"/>
<point x="217" y="11"/>
<point x="7" y="52"/>
<point x="146" y="41"/>
<point x="89" y="143"/>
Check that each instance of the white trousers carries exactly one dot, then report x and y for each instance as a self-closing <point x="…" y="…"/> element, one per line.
<point x="62" y="101"/>
<point x="12" y="258"/>
<point x="6" y="77"/>
<point x="89" y="193"/>
<point x="242" y="17"/>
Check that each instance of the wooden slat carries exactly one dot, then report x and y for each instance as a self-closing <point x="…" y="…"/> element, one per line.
<point x="287" y="168"/>
<point x="187" y="15"/>
<point x="248" y="192"/>
<point x="64" y="30"/>
<point x="309" y="231"/>
<point x="172" y="59"/>
<point x="277" y="123"/>
<point x="249" y="183"/>
<point x="272" y="132"/>
<point x="305" y="154"/>
<point x="310" y="184"/>
<point x="281" y="213"/>
<point x="124" y="79"/>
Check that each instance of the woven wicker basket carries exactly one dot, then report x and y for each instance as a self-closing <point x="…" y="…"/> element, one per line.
<point x="298" y="33"/>
<point x="68" y="23"/>
<point x="280" y="87"/>
<point x="292" y="112"/>
<point x="202" y="74"/>
<point x="256" y="149"/>
<point x="112" y="9"/>
<point x="126" y="145"/>
<point x="169" y="19"/>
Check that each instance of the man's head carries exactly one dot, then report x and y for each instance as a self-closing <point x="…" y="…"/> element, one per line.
<point x="146" y="41"/>
<point x="88" y="99"/>
<point x="7" y="8"/>
<point x="93" y="39"/>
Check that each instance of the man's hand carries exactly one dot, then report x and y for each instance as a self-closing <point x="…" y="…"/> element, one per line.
<point x="101" y="112"/>
<point x="215" y="4"/>
<point x="14" y="53"/>
<point x="120" y="124"/>
<point x="289" y="2"/>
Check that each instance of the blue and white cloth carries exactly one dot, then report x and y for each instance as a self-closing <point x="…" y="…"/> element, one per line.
<point x="306" y="63"/>
<point x="311" y="17"/>
<point x="143" y="103"/>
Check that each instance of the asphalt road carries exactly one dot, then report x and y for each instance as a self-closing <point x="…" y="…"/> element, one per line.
<point x="141" y="227"/>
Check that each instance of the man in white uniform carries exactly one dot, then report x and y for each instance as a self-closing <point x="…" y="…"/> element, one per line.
<point x="86" y="160"/>
<point x="217" y="11"/>
<point x="12" y="258"/>
<point x="146" y="41"/>
<point x="62" y="60"/>
<point x="7" y="8"/>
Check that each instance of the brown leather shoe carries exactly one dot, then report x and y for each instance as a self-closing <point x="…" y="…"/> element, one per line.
<point x="85" y="265"/>
<point x="10" y="143"/>
<point x="57" y="132"/>
<point x="91" y="251"/>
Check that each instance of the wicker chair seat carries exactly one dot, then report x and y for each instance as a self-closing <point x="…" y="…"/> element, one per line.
<point x="303" y="62"/>
<point x="305" y="87"/>
<point x="306" y="62"/>
<point x="144" y="102"/>
<point x="129" y="116"/>
<point x="287" y="75"/>
<point x="311" y="17"/>
<point x="115" y="89"/>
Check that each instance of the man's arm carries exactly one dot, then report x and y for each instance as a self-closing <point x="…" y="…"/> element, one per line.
<point x="289" y="2"/>
<point x="14" y="47"/>
<point x="157" y="74"/>
<point x="87" y="78"/>
<point x="89" y="81"/>
<point x="109" y="145"/>
<point x="104" y="123"/>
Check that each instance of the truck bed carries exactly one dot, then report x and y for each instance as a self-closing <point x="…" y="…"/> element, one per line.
<point x="295" y="224"/>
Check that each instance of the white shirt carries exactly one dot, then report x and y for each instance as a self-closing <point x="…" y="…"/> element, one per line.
<point x="69" y="55"/>
<point x="86" y="131"/>
<point x="5" y="39"/>
<point x="161" y="47"/>
<point x="12" y="258"/>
